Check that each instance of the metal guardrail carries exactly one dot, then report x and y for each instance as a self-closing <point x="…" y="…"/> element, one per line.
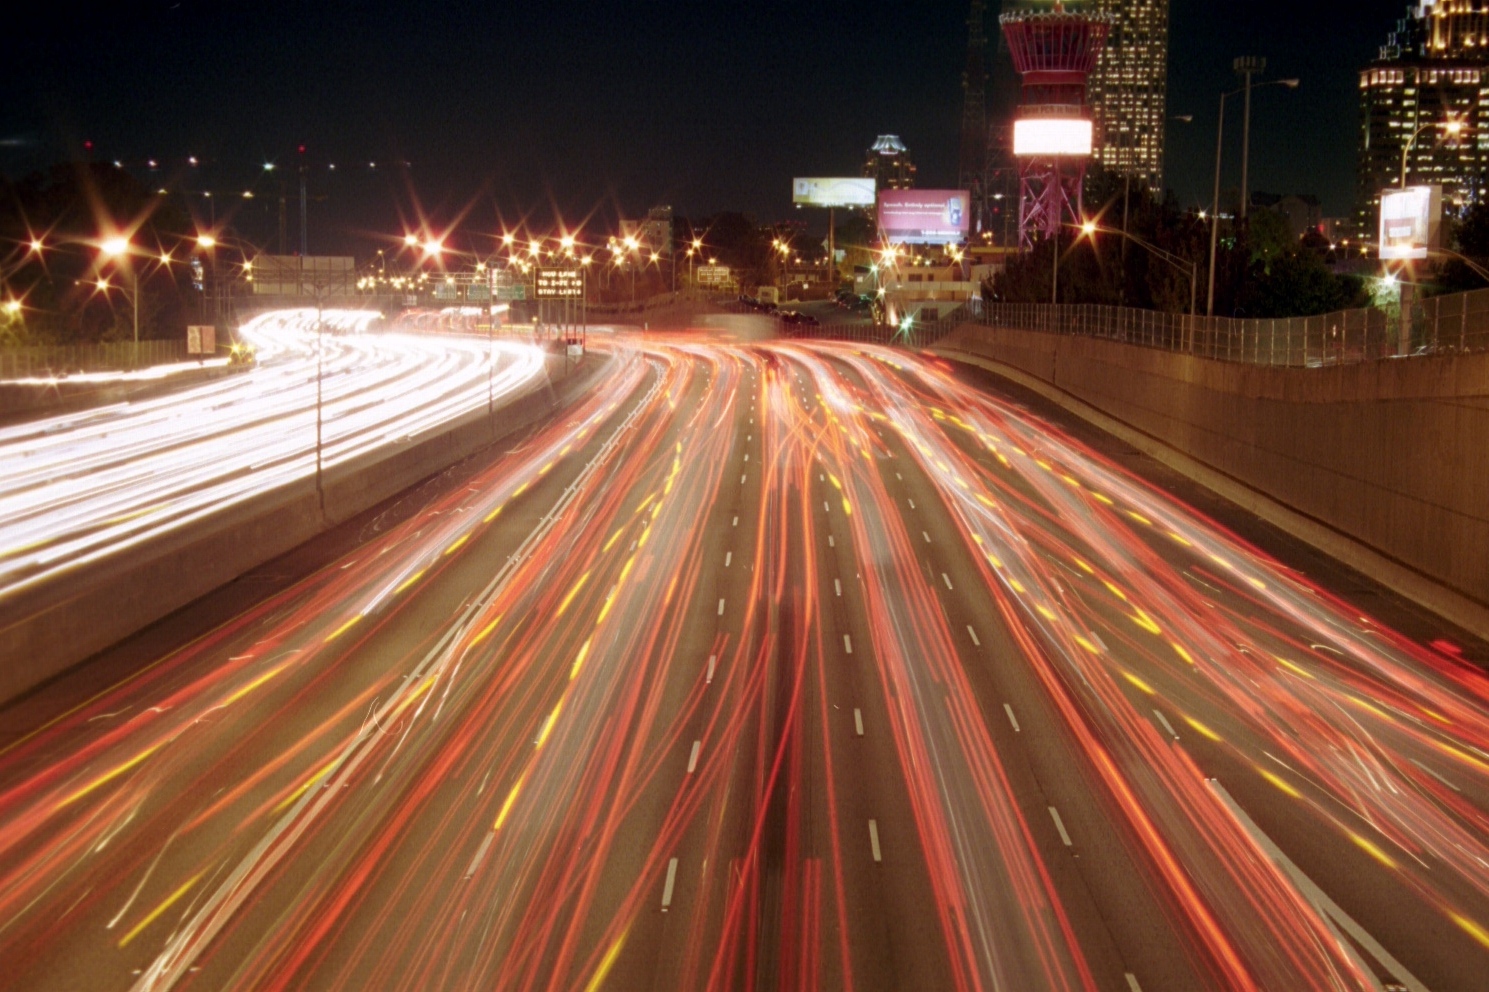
<point x="55" y="360"/>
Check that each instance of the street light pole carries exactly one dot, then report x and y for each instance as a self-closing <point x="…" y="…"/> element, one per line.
<point x="1247" y="67"/>
<point x="1055" y="295"/>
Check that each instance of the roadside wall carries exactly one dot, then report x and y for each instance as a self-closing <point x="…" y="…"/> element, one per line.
<point x="1393" y="455"/>
<point x="63" y="623"/>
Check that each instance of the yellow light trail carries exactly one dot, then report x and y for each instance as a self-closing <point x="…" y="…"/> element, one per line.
<point x="155" y="914"/>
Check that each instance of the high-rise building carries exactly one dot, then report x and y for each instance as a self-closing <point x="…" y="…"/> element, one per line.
<point x="1129" y="90"/>
<point x="1424" y="107"/>
<point x="889" y="163"/>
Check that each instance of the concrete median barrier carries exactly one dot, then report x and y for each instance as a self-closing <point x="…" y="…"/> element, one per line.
<point x="50" y="629"/>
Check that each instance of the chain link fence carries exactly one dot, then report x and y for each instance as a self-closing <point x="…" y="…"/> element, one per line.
<point x="58" y="360"/>
<point x="1441" y="325"/>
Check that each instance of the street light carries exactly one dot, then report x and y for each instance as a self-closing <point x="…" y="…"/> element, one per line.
<point x="1291" y="84"/>
<point x="1189" y="267"/>
<point x="117" y="247"/>
<point x="1452" y="129"/>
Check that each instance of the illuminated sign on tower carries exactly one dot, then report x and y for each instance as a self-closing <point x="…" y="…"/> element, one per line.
<point x="1054" y="53"/>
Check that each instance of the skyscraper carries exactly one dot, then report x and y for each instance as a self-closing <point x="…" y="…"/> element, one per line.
<point x="1424" y="107"/>
<point x="1129" y="90"/>
<point x="889" y="163"/>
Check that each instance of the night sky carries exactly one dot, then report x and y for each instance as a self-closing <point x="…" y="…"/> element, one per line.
<point x="585" y="108"/>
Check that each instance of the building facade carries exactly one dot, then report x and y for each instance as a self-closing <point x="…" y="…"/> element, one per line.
<point x="889" y="163"/>
<point x="1129" y="89"/>
<point x="1424" y="107"/>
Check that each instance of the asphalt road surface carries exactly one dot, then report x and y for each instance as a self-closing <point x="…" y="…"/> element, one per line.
<point x="766" y="666"/>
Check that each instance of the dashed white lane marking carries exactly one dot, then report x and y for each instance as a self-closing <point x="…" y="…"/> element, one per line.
<point x="847" y="644"/>
<point x="1434" y="774"/>
<point x="830" y="542"/>
<point x="1132" y="983"/>
<point x="874" y="839"/>
<point x="728" y="558"/>
<point x="1011" y="718"/>
<point x="975" y="639"/>
<point x="747" y="457"/>
<point x="1166" y="725"/>
<point x="671" y="881"/>
<point x="837" y="585"/>
<point x="926" y="536"/>
<point x="712" y="660"/>
<point x="721" y="607"/>
<point x="825" y="507"/>
<point x="858" y="721"/>
<point x="822" y="477"/>
<point x="480" y="854"/>
<point x="899" y="476"/>
<point x="742" y="479"/>
<point x="1060" y="826"/>
<point x="736" y="521"/>
<point x="945" y="579"/>
<point x="693" y="758"/>
<point x="911" y="502"/>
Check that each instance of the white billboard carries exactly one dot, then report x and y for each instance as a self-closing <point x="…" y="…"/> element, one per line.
<point x="1052" y="136"/>
<point x="842" y="192"/>
<point x="1410" y="222"/>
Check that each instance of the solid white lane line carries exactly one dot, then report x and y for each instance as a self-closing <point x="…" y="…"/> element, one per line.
<point x="712" y="660"/>
<point x="693" y="758"/>
<point x="1060" y="826"/>
<point x="721" y="607"/>
<point x="874" y="839"/>
<point x="1132" y="983"/>
<point x="728" y="558"/>
<point x="1317" y="896"/>
<point x="480" y="854"/>
<point x="671" y="881"/>
<point x="974" y="635"/>
<point x="837" y="585"/>
<point x="926" y="536"/>
<point x="847" y="644"/>
<point x="858" y="721"/>
<point x="946" y="579"/>
<point x="1166" y="725"/>
<point x="1011" y="718"/>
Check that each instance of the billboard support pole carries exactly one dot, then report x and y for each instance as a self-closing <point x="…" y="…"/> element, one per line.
<point x="832" y="254"/>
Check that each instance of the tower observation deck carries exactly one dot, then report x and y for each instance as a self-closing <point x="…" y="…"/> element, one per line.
<point x="1054" y="53"/>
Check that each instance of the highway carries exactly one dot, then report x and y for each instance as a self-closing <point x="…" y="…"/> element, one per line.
<point x="767" y="666"/>
<point x="83" y="486"/>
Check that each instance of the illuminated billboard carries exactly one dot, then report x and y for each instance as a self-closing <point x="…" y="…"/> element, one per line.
<point x="924" y="216"/>
<point x="1410" y="222"/>
<point x="1052" y="136"/>
<point x="834" y="192"/>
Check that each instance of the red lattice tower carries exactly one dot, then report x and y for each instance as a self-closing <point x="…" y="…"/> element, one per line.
<point x="1055" y="53"/>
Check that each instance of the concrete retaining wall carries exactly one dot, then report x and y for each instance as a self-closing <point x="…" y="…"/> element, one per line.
<point x="1392" y="455"/>
<point x="59" y="625"/>
<point x="26" y="402"/>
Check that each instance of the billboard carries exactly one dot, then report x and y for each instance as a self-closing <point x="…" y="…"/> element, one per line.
<point x="844" y="192"/>
<point x="1410" y="222"/>
<point x="924" y="216"/>
<point x="559" y="284"/>
<point x="1052" y="136"/>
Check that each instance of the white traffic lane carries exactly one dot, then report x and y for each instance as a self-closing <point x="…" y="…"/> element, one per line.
<point x="83" y="486"/>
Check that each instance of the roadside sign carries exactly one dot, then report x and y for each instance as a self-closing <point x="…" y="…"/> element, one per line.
<point x="512" y="291"/>
<point x="713" y="275"/>
<point x="201" y="340"/>
<point x="560" y="284"/>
